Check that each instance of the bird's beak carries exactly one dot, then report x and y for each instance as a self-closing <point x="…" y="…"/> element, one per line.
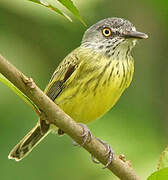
<point x="135" y="35"/>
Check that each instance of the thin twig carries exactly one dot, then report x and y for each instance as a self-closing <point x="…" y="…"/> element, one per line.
<point x="56" y="116"/>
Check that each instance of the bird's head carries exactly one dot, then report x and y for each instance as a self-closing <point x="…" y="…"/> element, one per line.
<point x="112" y="35"/>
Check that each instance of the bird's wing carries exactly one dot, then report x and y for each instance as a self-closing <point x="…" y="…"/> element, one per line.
<point x="63" y="72"/>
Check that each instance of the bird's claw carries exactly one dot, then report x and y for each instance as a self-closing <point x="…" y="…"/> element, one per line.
<point x="87" y="136"/>
<point x="94" y="159"/>
<point x="109" y="154"/>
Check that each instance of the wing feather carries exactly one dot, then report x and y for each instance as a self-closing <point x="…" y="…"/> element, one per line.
<point x="62" y="73"/>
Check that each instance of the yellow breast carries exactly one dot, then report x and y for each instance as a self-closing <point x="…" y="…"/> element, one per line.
<point x="92" y="93"/>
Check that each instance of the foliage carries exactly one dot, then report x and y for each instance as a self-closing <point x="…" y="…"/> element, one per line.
<point x="18" y="92"/>
<point x="159" y="175"/>
<point x="67" y="3"/>
<point x="163" y="162"/>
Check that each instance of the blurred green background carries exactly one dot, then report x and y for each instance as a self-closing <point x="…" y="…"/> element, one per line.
<point x="35" y="40"/>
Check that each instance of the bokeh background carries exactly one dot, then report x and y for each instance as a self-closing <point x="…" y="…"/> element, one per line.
<point x="35" y="40"/>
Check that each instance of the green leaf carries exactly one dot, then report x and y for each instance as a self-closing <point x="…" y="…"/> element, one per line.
<point x="70" y="6"/>
<point x="19" y="93"/>
<point x="159" y="175"/>
<point x="46" y="4"/>
<point x="163" y="162"/>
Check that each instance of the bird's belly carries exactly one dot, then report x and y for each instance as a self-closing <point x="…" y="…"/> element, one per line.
<point x="88" y="106"/>
<point x="91" y="97"/>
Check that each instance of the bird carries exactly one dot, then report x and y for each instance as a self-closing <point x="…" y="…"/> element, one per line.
<point x="90" y="80"/>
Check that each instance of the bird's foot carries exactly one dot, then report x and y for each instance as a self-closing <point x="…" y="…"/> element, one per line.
<point x="109" y="154"/>
<point x="87" y="136"/>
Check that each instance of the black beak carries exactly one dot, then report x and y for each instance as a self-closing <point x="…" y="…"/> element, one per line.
<point x="135" y="35"/>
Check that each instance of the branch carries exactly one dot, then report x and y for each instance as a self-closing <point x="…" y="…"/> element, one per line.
<point x="56" y="116"/>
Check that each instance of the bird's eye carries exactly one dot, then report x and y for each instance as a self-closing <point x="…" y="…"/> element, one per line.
<point x="107" y="32"/>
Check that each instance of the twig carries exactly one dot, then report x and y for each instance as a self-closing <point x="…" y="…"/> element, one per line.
<point x="56" y="116"/>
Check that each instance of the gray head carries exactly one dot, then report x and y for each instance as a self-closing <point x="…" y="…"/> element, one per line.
<point x="110" y="34"/>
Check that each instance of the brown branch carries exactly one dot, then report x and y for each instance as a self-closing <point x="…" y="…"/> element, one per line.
<point x="56" y="116"/>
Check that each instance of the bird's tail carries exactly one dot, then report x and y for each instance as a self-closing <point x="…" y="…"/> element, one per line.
<point x="25" y="146"/>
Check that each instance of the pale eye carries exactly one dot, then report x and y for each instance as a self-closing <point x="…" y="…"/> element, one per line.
<point x="107" y="32"/>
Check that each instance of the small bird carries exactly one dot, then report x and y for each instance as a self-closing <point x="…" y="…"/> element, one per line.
<point x="91" y="79"/>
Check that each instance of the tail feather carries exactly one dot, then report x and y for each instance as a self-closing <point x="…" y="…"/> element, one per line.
<point x="25" y="146"/>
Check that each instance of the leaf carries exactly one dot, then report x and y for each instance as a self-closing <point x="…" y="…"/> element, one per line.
<point x="159" y="175"/>
<point x="46" y="4"/>
<point x="70" y="6"/>
<point x="163" y="162"/>
<point x="19" y="93"/>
